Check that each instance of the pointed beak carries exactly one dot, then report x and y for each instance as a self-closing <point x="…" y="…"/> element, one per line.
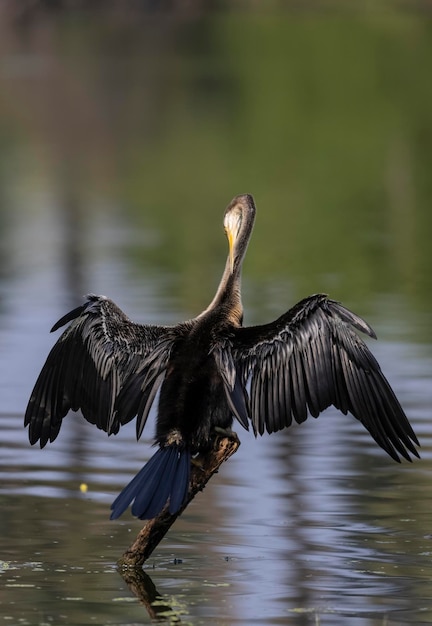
<point x="230" y="236"/>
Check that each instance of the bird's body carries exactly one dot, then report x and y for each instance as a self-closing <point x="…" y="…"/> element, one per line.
<point x="192" y="399"/>
<point x="210" y="370"/>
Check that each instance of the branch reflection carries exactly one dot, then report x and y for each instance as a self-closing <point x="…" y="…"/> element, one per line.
<point x="142" y="586"/>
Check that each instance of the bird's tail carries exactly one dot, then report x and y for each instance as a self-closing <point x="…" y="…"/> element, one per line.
<point x="165" y="476"/>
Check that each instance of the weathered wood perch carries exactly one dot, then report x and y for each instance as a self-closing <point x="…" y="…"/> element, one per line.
<point x="155" y="529"/>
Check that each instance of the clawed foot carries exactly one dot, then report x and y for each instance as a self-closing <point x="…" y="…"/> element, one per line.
<point x="198" y="461"/>
<point x="226" y="432"/>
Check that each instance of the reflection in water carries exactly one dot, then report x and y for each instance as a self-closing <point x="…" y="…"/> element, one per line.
<point x="73" y="235"/>
<point x="142" y="586"/>
<point x="289" y="527"/>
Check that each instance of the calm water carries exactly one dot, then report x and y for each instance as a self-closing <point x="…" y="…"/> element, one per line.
<point x="313" y="525"/>
<point x="117" y="158"/>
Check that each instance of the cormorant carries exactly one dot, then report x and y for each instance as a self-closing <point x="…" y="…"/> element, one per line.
<point x="209" y="370"/>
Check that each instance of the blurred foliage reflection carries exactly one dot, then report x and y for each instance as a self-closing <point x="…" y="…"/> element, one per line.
<point x="327" y="120"/>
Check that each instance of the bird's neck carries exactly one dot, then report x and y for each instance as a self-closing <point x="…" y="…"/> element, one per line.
<point x="228" y="296"/>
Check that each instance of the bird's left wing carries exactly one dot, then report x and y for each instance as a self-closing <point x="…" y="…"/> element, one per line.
<point x="311" y="358"/>
<point x="93" y="361"/>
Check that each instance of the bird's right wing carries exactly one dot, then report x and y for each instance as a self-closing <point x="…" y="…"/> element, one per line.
<point x="311" y="358"/>
<point x="98" y="356"/>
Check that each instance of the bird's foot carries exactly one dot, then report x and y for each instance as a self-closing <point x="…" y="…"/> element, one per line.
<point x="226" y="432"/>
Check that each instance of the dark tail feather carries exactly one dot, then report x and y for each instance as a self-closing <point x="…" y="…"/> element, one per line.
<point x="165" y="475"/>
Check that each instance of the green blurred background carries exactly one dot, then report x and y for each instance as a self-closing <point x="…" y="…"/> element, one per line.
<point x="322" y="111"/>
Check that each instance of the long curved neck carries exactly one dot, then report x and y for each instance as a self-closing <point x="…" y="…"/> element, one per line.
<point x="228" y="295"/>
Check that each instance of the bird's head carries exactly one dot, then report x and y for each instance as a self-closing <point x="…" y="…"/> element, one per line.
<point x="238" y="221"/>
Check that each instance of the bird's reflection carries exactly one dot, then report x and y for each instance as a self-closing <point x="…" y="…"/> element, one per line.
<point x="142" y="586"/>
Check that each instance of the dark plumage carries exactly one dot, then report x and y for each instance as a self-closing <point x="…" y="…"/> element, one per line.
<point x="209" y="370"/>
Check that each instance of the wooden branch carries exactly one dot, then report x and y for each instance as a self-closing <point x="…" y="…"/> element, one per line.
<point x="155" y="529"/>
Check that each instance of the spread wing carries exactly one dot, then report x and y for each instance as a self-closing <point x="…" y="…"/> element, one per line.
<point x="311" y="358"/>
<point x="91" y="364"/>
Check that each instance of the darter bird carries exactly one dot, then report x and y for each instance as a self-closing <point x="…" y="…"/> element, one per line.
<point x="210" y="370"/>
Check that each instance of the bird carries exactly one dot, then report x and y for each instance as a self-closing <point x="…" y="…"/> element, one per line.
<point x="210" y="371"/>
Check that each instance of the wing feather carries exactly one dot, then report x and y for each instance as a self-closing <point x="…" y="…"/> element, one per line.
<point x="285" y="387"/>
<point x="311" y="358"/>
<point x="92" y="364"/>
<point x="235" y="391"/>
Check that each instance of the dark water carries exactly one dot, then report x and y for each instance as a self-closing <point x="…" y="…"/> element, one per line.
<point x="121" y="141"/>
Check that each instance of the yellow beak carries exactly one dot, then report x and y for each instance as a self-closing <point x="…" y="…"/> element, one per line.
<point x="230" y="236"/>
